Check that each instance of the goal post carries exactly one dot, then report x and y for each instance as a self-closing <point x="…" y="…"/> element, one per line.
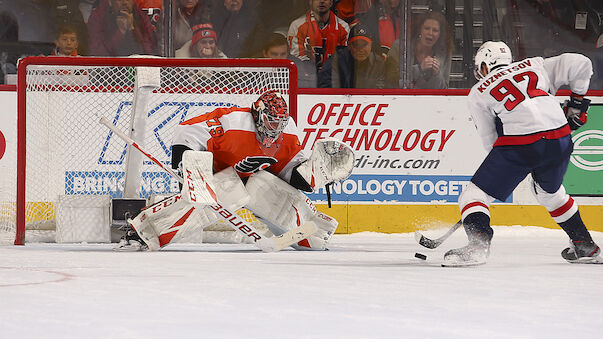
<point x="62" y="150"/>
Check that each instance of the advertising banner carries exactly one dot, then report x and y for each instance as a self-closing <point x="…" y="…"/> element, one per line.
<point x="584" y="175"/>
<point x="409" y="149"/>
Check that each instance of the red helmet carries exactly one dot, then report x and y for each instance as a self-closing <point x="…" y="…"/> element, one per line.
<point x="271" y="115"/>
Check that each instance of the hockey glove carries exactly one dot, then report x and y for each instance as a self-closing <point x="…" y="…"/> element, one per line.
<point x="331" y="161"/>
<point x="576" y="110"/>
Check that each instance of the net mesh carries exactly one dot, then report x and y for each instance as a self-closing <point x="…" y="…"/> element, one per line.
<point x="69" y="152"/>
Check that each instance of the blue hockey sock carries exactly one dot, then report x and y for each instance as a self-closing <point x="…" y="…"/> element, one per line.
<point x="477" y="227"/>
<point x="575" y="228"/>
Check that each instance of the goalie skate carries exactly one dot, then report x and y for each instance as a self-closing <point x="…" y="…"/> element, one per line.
<point x="131" y="242"/>
<point x="582" y="252"/>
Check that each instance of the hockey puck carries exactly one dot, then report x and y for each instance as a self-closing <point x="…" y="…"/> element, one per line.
<point x="420" y="256"/>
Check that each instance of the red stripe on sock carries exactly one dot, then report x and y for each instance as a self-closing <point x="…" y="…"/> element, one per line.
<point x="562" y="209"/>
<point x="473" y="204"/>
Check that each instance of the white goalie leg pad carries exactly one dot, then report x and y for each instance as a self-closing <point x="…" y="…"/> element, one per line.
<point x="230" y="189"/>
<point x="473" y="199"/>
<point x="197" y="174"/>
<point x="331" y="161"/>
<point x="277" y="202"/>
<point x="168" y="220"/>
<point x="318" y="241"/>
<point x="283" y="208"/>
<point x="560" y="205"/>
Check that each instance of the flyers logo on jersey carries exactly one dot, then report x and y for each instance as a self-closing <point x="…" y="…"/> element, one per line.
<point x="253" y="164"/>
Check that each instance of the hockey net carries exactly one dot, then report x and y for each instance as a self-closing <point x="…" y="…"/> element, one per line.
<point x="64" y="152"/>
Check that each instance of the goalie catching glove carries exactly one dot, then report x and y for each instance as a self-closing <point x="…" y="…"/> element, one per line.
<point x="331" y="161"/>
<point x="576" y="110"/>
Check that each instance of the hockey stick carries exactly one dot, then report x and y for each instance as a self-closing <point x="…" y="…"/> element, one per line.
<point x="233" y="220"/>
<point x="433" y="243"/>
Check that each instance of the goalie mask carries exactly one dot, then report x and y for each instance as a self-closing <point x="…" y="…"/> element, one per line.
<point x="493" y="54"/>
<point x="271" y="116"/>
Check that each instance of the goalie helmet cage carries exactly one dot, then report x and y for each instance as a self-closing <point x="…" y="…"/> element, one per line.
<point x="62" y="150"/>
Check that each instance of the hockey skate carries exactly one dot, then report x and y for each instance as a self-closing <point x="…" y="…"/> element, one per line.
<point x="131" y="242"/>
<point x="475" y="253"/>
<point x="582" y="252"/>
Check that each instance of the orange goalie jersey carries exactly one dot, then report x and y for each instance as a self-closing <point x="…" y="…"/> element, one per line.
<point x="230" y="134"/>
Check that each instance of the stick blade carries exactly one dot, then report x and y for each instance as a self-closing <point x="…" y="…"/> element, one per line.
<point x="425" y="242"/>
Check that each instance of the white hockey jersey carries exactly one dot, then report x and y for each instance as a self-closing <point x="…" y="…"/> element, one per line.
<point x="515" y="104"/>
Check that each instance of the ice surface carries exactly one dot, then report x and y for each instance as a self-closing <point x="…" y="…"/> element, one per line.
<point x="368" y="285"/>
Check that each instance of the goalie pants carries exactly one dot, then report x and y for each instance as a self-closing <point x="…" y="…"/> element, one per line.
<point x="546" y="160"/>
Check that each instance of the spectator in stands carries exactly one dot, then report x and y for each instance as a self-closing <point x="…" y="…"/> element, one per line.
<point x="276" y="47"/>
<point x="202" y="45"/>
<point x="67" y="13"/>
<point x="232" y="21"/>
<point x="355" y="66"/>
<point x="273" y="16"/>
<point x="430" y="55"/>
<point x="120" y="28"/>
<point x="66" y="42"/>
<point x="153" y="9"/>
<point x="86" y="7"/>
<point x="188" y="13"/>
<point x="317" y="34"/>
<point x="349" y="10"/>
<point x="383" y="21"/>
<point x="39" y="20"/>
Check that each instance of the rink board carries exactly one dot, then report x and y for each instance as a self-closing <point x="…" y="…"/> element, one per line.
<point x="408" y="218"/>
<point x="414" y="155"/>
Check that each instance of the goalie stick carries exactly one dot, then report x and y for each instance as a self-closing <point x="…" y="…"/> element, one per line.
<point x="433" y="243"/>
<point x="233" y="220"/>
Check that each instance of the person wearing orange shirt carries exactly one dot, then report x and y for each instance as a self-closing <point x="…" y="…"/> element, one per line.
<point x="317" y="34"/>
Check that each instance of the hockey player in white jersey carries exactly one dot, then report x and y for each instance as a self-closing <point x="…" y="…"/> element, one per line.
<point x="258" y="146"/>
<point x="526" y="132"/>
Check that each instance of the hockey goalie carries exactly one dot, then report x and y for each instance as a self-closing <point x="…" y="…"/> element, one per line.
<point x="245" y="157"/>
